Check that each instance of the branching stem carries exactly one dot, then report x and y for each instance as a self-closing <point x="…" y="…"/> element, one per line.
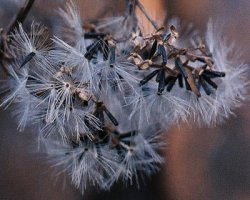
<point x="131" y="4"/>
<point x="141" y="7"/>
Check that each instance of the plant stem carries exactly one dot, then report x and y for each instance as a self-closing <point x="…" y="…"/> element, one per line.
<point x="20" y="17"/>
<point x="141" y="7"/>
<point x="131" y="4"/>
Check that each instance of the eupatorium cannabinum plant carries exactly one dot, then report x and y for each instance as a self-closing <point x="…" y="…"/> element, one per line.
<point x="102" y="93"/>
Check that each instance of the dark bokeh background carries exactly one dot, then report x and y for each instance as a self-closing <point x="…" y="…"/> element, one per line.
<point x="201" y="163"/>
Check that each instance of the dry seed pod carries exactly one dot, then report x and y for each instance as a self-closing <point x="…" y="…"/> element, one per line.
<point x="145" y="64"/>
<point x="136" y="58"/>
<point x="83" y="95"/>
<point x="138" y="41"/>
<point x="174" y="31"/>
<point x="174" y="35"/>
<point x="157" y="35"/>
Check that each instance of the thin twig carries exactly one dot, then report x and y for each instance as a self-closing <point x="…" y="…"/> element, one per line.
<point x="141" y="7"/>
<point x="21" y="15"/>
<point x="19" y="18"/>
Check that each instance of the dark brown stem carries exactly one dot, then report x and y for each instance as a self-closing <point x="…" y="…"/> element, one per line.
<point x="20" y="17"/>
<point x="141" y="7"/>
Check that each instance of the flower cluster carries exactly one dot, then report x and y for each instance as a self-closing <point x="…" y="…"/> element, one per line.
<point x="102" y="94"/>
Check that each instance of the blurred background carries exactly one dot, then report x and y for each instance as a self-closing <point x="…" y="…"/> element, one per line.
<point x="201" y="163"/>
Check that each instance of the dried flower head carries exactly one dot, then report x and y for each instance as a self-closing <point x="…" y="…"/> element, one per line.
<point x="103" y="95"/>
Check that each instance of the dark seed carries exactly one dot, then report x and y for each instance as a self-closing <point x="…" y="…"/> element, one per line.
<point x="153" y="49"/>
<point x="180" y="80"/>
<point x="163" y="54"/>
<point x="27" y="59"/>
<point x="168" y="79"/>
<point x="210" y="82"/>
<point x="213" y="74"/>
<point x="166" y="38"/>
<point x="161" y="81"/>
<point x="171" y="84"/>
<point x="112" y="56"/>
<point x="204" y="86"/>
<point x="111" y="117"/>
<point x="159" y="75"/>
<point x="180" y="67"/>
<point x="148" y="77"/>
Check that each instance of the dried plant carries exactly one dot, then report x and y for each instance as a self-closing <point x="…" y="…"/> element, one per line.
<point x="103" y="92"/>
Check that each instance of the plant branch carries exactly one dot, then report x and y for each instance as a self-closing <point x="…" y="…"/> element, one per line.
<point x="141" y="7"/>
<point x="20" y="17"/>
